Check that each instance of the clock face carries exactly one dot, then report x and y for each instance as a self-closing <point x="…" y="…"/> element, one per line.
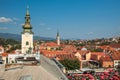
<point x="27" y="34"/>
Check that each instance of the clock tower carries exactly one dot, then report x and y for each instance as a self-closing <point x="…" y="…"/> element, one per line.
<point x="27" y="35"/>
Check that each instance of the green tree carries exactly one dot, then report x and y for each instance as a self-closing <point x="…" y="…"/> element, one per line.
<point x="70" y="64"/>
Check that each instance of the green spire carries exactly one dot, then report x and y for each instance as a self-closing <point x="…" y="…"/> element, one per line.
<point x="27" y="26"/>
<point x="57" y="33"/>
<point x="27" y="12"/>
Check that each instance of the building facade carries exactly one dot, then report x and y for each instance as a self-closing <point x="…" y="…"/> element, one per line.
<point x="27" y="35"/>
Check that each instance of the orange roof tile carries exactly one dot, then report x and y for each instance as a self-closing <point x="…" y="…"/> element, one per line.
<point x="4" y="54"/>
<point x="98" y="53"/>
<point x="115" y="45"/>
<point x="66" y="56"/>
<point x="51" y="44"/>
<point x="68" y="48"/>
<point x="105" y="58"/>
<point x="52" y="52"/>
<point x="82" y="52"/>
<point x="116" y="55"/>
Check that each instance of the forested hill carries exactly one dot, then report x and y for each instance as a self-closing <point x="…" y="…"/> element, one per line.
<point x="10" y="36"/>
<point x="5" y="42"/>
<point x="18" y="37"/>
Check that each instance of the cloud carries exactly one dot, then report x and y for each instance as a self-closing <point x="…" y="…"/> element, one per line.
<point x="5" y="20"/>
<point x="3" y="28"/>
<point x="42" y="24"/>
<point x="48" y="28"/>
<point x="16" y="19"/>
<point x="90" y="33"/>
<point x="21" y="24"/>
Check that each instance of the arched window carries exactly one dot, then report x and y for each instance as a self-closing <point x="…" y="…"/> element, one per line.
<point x="27" y="43"/>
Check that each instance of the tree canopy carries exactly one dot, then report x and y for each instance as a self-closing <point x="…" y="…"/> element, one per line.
<point x="71" y="64"/>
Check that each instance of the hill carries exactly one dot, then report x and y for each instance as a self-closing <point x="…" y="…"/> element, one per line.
<point x="18" y="37"/>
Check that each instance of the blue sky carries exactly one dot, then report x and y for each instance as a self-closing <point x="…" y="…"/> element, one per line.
<point x="75" y="19"/>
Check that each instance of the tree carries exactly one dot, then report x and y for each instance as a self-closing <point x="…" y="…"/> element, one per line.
<point x="71" y="64"/>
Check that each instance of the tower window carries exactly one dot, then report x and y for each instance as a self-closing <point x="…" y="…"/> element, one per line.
<point x="27" y="43"/>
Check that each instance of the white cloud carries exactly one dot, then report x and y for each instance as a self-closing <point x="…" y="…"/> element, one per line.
<point x="42" y="24"/>
<point x="21" y="24"/>
<point x="5" y="20"/>
<point x="3" y="28"/>
<point x="16" y="19"/>
<point x="48" y="28"/>
<point x="90" y="33"/>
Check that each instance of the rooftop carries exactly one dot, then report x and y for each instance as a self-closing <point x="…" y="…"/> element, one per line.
<point x="48" y="70"/>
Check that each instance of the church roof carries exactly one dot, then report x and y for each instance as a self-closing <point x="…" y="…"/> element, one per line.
<point x="51" y="44"/>
<point x="27" y="24"/>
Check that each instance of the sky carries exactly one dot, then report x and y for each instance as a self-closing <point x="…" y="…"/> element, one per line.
<point x="74" y="19"/>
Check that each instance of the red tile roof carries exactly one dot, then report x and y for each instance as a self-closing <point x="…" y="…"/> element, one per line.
<point x="51" y="44"/>
<point x="98" y="53"/>
<point x="53" y="52"/>
<point x="4" y="54"/>
<point x="115" y="45"/>
<point x="83" y="52"/>
<point x="61" y="55"/>
<point x="105" y="58"/>
<point x="68" y="48"/>
<point x="116" y="55"/>
<point x="65" y="56"/>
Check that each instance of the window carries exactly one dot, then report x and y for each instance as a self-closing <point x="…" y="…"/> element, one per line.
<point x="27" y="43"/>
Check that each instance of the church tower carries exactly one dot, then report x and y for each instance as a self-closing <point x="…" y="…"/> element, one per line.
<point x="58" y="38"/>
<point x="27" y="34"/>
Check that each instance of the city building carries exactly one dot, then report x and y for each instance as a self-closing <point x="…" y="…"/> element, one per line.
<point x="27" y="35"/>
<point x="105" y="62"/>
